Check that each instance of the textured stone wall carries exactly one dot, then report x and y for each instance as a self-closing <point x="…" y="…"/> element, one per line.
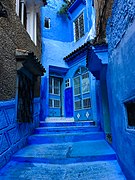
<point x="13" y="135"/>
<point x="123" y="14"/>
<point x="121" y="80"/>
<point x="103" y="11"/>
<point x="12" y="36"/>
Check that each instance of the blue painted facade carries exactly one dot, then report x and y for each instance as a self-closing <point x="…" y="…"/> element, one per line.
<point x="121" y="80"/>
<point x="58" y="42"/>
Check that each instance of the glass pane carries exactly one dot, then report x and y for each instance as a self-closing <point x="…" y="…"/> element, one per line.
<point x="56" y="103"/>
<point x="86" y="103"/>
<point x="77" y="81"/>
<point x="78" y="105"/>
<point x="77" y="88"/>
<point x="83" y="69"/>
<point x="85" y="83"/>
<point x="56" y="91"/>
<point x="56" y="83"/>
<point x="77" y="91"/>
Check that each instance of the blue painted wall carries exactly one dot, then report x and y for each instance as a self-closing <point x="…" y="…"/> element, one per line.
<point x="13" y="135"/>
<point x="121" y="80"/>
<point x="58" y="42"/>
<point x="59" y="25"/>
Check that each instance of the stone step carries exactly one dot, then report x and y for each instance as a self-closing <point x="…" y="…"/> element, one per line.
<point x="68" y="129"/>
<point x="59" y="119"/>
<point x="98" y="170"/>
<point x="65" y="137"/>
<point x="66" y="124"/>
<point x="66" y="153"/>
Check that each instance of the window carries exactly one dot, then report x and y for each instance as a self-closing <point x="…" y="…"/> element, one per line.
<point x="54" y="86"/>
<point x="130" y="107"/>
<point x="85" y="83"/>
<point x="47" y="23"/>
<point x="77" y="87"/>
<point x="67" y="83"/>
<point x="82" y="89"/>
<point x="86" y="103"/>
<point x="23" y="13"/>
<point x="81" y="82"/>
<point x="78" y="105"/>
<point x="54" y="103"/>
<point x="79" y="27"/>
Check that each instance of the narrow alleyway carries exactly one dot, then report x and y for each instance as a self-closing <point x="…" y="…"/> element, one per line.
<point x="64" y="151"/>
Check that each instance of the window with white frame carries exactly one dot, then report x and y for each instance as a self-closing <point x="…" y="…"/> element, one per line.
<point x="47" y="23"/>
<point x="82" y="89"/>
<point x="79" y="27"/>
<point x="67" y="83"/>
<point x="54" y="103"/>
<point x="54" y="86"/>
<point x="77" y="86"/>
<point x="85" y="83"/>
<point x="21" y="11"/>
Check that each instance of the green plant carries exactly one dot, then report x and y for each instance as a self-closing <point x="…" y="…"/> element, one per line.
<point x="64" y="8"/>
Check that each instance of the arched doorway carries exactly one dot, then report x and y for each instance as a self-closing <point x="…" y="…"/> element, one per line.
<point x="82" y="96"/>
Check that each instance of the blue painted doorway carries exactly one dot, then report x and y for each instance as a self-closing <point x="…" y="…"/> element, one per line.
<point x="55" y="109"/>
<point x="82" y="96"/>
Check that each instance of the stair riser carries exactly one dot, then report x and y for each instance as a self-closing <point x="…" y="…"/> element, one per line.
<point x="44" y="124"/>
<point x="62" y="130"/>
<point x="66" y="160"/>
<point x="64" y="139"/>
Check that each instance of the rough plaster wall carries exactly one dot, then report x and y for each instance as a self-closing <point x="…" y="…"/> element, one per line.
<point x="121" y="80"/>
<point x="103" y="11"/>
<point x="12" y="36"/>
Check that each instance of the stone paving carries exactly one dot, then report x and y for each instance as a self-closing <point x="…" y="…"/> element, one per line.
<point x="100" y="170"/>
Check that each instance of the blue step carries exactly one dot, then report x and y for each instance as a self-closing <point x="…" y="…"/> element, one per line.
<point x="63" y="129"/>
<point x="59" y="124"/>
<point x="65" y="137"/>
<point x="66" y="153"/>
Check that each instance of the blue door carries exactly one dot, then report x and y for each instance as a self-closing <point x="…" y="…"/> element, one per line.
<point x="55" y="97"/>
<point x="82" y="96"/>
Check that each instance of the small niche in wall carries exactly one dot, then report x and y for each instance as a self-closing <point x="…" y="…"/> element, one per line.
<point x="47" y="23"/>
<point x="130" y="108"/>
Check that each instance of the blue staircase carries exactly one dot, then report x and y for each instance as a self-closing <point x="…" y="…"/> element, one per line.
<point x="66" y="143"/>
<point x="66" y="151"/>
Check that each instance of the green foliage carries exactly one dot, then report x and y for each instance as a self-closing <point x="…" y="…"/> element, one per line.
<point x="64" y="8"/>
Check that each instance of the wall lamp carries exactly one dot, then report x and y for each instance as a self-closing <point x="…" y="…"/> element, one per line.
<point x="3" y="12"/>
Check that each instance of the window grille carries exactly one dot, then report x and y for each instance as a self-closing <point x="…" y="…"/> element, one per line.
<point x="79" y="27"/>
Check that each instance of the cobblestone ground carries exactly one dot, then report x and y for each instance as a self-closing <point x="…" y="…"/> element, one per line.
<point x="100" y="170"/>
